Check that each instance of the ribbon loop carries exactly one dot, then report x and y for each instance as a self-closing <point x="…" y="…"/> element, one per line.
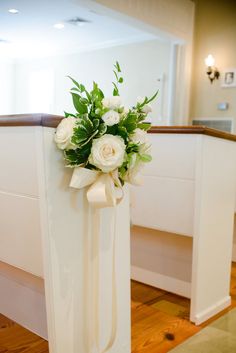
<point x="101" y="194"/>
<point x="105" y="188"/>
<point x="83" y="177"/>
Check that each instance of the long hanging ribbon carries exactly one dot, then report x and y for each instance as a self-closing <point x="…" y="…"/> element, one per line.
<point x="102" y="193"/>
<point x="96" y="291"/>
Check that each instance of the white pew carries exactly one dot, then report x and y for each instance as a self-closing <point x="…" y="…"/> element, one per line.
<point x="183" y="217"/>
<point x="48" y="238"/>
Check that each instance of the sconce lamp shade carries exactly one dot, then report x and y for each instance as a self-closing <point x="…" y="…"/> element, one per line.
<point x="210" y="61"/>
<point x="212" y="72"/>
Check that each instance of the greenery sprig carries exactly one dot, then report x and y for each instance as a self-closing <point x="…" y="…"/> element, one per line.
<point x="96" y="116"/>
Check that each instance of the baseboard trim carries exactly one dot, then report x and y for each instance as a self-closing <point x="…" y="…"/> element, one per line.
<point x="234" y="253"/>
<point x="211" y="311"/>
<point x="24" y="305"/>
<point x="158" y="280"/>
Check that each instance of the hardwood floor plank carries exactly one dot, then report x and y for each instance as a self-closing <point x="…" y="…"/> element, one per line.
<point x="141" y="294"/>
<point x="16" y="339"/>
<point x="160" y="321"/>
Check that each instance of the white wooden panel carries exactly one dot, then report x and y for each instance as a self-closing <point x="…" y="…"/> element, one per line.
<point x="165" y="204"/>
<point x="213" y="227"/>
<point x="156" y="279"/>
<point x="161" y="259"/>
<point x="173" y="155"/>
<point x="20" y="237"/>
<point x="18" y="160"/>
<point x="22" y="299"/>
<point x="68" y="233"/>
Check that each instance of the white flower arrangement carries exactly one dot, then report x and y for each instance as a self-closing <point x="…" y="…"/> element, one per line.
<point x="103" y="136"/>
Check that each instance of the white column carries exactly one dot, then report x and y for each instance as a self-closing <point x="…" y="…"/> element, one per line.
<point x="78" y="262"/>
<point x="213" y="227"/>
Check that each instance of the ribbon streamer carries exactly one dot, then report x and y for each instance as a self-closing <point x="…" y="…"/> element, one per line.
<point x="105" y="191"/>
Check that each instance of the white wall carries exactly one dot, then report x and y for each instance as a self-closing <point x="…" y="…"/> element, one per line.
<point x="6" y="86"/>
<point x="142" y="64"/>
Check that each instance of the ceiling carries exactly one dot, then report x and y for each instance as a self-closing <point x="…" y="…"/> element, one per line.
<point x="31" y="32"/>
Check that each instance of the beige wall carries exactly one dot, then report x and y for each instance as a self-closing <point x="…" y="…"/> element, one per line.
<point x="173" y="17"/>
<point x="215" y="33"/>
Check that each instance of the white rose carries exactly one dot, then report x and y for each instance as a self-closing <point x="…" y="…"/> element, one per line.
<point x="111" y="118"/>
<point x="113" y="102"/>
<point x="146" y="108"/>
<point x="139" y="136"/>
<point x="64" y="133"/>
<point x="134" y="175"/>
<point x="107" y="152"/>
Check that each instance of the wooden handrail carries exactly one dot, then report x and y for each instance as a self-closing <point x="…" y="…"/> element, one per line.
<point x="192" y="129"/>
<point x="49" y="120"/>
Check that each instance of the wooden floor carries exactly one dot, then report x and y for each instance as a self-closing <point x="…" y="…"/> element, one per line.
<point x="159" y="323"/>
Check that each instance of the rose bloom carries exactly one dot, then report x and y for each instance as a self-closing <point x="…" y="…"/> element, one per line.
<point x="133" y="175"/>
<point x="139" y="136"/>
<point x="112" y="102"/>
<point x="107" y="152"/>
<point x="111" y="118"/>
<point x="64" y="133"/>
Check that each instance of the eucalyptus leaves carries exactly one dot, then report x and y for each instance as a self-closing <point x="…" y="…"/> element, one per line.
<point x="103" y="136"/>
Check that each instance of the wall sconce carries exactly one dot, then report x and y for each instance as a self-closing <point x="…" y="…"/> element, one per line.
<point x="212" y="71"/>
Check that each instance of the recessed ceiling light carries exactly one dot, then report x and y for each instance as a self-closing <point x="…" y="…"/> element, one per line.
<point x="13" y="11"/>
<point x="59" y="25"/>
<point x="78" y="21"/>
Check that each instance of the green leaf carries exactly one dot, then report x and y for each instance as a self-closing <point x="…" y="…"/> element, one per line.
<point x="78" y="156"/>
<point x="153" y="97"/>
<point x="69" y="114"/>
<point x="117" y="78"/>
<point x="75" y="82"/>
<point x="122" y="132"/>
<point x="83" y="101"/>
<point x="112" y="130"/>
<point x="115" y="90"/>
<point x="96" y="123"/>
<point x="131" y="159"/>
<point x="130" y="122"/>
<point x="121" y="80"/>
<point x="117" y="66"/>
<point x="102" y="129"/>
<point x="88" y="96"/>
<point x="144" y="126"/>
<point x="101" y="95"/>
<point x="132" y="147"/>
<point x="82" y="88"/>
<point x="75" y="89"/>
<point x="83" y="131"/>
<point x="145" y="158"/>
<point x="79" y="106"/>
<point x="141" y="105"/>
<point x="96" y="94"/>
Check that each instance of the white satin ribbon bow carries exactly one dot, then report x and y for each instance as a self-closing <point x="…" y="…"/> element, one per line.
<point x="105" y="190"/>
